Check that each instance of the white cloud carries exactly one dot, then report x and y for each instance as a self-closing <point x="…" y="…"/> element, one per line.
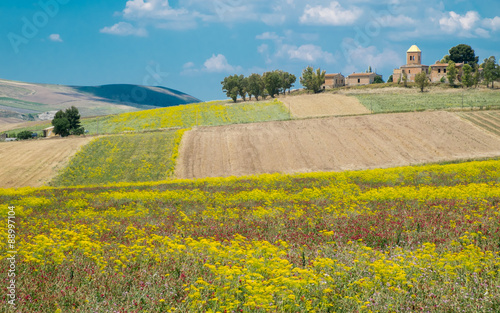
<point x="359" y="58"/>
<point x="156" y="9"/>
<point x="56" y="38"/>
<point x="218" y="63"/>
<point x="308" y="53"/>
<point x="461" y="24"/>
<point x="492" y="23"/>
<point x="267" y="36"/>
<point x="332" y="15"/>
<point x="262" y="48"/>
<point x="188" y="65"/>
<point x="124" y="29"/>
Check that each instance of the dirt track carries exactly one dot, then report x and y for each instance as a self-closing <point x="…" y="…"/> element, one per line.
<point x="34" y="163"/>
<point x="323" y="105"/>
<point x="332" y="144"/>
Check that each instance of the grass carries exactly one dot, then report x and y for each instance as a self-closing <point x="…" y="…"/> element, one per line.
<point x="409" y="239"/>
<point x="202" y="114"/>
<point x="123" y="158"/>
<point x="34" y="107"/>
<point x="396" y="102"/>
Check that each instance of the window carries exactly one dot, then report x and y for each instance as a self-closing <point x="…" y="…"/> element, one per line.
<point x="359" y="80"/>
<point x="445" y="71"/>
<point x="439" y="71"/>
<point x="409" y="71"/>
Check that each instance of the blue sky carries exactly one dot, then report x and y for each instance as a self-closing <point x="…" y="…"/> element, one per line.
<point x="191" y="45"/>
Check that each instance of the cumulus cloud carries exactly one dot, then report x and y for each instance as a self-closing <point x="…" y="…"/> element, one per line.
<point x="219" y="64"/>
<point x="360" y="57"/>
<point x="456" y="23"/>
<point x="267" y="36"/>
<point x="124" y="29"/>
<point x="55" y="38"/>
<point x="308" y="53"/>
<point x="335" y="15"/>
<point x="492" y="23"/>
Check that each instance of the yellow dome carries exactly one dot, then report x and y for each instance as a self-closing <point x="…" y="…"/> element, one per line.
<point x="414" y="48"/>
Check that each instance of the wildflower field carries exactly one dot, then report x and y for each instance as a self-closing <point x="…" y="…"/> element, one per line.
<point x="404" y="102"/>
<point x="199" y="114"/>
<point x="410" y="239"/>
<point x="123" y="158"/>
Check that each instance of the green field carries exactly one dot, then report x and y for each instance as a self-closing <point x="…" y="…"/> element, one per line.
<point x="123" y="158"/>
<point x="404" y="102"/>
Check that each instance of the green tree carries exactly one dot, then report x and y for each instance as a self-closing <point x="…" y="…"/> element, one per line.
<point x="490" y="71"/>
<point x="405" y="79"/>
<point x="272" y="81"/>
<point x="23" y="135"/>
<point x="242" y="87"/>
<point x="287" y="81"/>
<point x="256" y="86"/>
<point x="477" y="76"/>
<point x="73" y="117"/>
<point x="61" y="124"/>
<point x="378" y="80"/>
<point x="390" y="80"/>
<point x="312" y="80"/>
<point x="230" y="86"/>
<point x="451" y="72"/>
<point x="463" y="54"/>
<point x="467" y="78"/>
<point x="421" y="80"/>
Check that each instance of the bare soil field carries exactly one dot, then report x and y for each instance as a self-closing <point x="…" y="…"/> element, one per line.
<point x="487" y="120"/>
<point x="332" y="144"/>
<point x="323" y="105"/>
<point x="34" y="163"/>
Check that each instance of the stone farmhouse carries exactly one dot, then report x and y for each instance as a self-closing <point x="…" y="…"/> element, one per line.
<point x="333" y="81"/>
<point x="358" y="79"/>
<point x="414" y="66"/>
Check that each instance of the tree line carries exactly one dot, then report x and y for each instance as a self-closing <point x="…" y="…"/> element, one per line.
<point x="268" y="84"/>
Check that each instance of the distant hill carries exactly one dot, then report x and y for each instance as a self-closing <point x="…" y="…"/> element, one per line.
<point x="20" y="101"/>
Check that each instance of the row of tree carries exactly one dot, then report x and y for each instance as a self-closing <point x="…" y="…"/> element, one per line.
<point x="268" y="84"/>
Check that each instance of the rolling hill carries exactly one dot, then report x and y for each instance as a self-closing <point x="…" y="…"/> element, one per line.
<point x="20" y="101"/>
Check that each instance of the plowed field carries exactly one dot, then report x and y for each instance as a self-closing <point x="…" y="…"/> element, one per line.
<point x="323" y="105"/>
<point x="33" y="163"/>
<point x="332" y="144"/>
<point x="489" y="120"/>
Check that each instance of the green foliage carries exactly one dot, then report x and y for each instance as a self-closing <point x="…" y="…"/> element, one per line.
<point x="421" y="80"/>
<point x="256" y="86"/>
<point x="463" y="54"/>
<point x="231" y="86"/>
<point x="23" y="135"/>
<point x="67" y="122"/>
<point x="405" y="79"/>
<point x="273" y="83"/>
<point x="467" y="78"/>
<point x="287" y="81"/>
<point x="378" y="80"/>
<point x="451" y="72"/>
<point x="312" y="80"/>
<point x="390" y="80"/>
<point x="491" y="71"/>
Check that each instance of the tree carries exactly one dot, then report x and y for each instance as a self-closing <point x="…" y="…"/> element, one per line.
<point x="312" y="80"/>
<point x="463" y="54"/>
<point x="242" y="86"/>
<point x="23" y="135"/>
<point x="287" y="81"/>
<point x="451" y="72"/>
<point x="230" y="86"/>
<point x="490" y="71"/>
<point x="421" y="80"/>
<point x="467" y="79"/>
<point x="405" y="79"/>
<point x="272" y="81"/>
<point x="67" y="122"/>
<point x="390" y="80"/>
<point x="256" y="86"/>
<point x="378" y="80"/>
<point x="477" y="76"/>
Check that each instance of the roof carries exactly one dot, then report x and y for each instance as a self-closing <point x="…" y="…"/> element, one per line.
<point x="51" y="127"/>
<point x="446" y="64"/>
<point x="362" y="74"/>
<point x="414" y="48"/>
<point x="332" y="75"/>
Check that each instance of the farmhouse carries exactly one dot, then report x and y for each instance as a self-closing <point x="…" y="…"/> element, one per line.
<point x="333" y="81"/>
<point x="413" y="66"/>
<point x="49" y="132"/>
<point x="358" y="79"/>
<point x="438" y="71"/>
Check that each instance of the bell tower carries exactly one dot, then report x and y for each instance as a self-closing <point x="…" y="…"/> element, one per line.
<point x="414" y="56"/>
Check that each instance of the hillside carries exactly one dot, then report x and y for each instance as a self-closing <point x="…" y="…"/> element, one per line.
<point x="20" y="101"/>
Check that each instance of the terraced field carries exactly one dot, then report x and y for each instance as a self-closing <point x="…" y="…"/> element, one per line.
<point x="487" y="120"/>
